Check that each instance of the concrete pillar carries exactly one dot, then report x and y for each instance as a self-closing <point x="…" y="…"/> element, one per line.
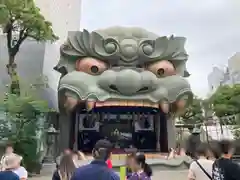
<point x="171" y="131"/>
<point x="64" y="127"/>
<point x="157" y="131"/>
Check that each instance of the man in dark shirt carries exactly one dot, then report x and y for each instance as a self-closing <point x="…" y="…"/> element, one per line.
<point x="224" y="168"/>
<point x="97" y="169"/>
<point x="193" y="142"/>
<point x="8" y="175"/>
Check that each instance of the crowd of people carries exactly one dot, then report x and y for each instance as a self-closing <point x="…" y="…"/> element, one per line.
<point x="101" y="166"/>
<point x="214" y="161"/>
<point x="211" y="161"/>
<point x="70" y="166"/>
<point x="10" y="166"/>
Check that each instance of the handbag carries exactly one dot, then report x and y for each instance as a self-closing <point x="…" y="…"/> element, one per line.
<point x="205" y="172"/>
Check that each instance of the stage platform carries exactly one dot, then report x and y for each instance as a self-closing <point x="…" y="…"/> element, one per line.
<point x="123" y="156"/>
<point x="158" y="162"/>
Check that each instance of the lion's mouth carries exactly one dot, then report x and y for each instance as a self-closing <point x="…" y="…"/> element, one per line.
<point x="124" y="104"/>
<point x="89" y="105"/>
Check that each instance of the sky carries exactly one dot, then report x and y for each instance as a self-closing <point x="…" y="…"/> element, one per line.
<point x="212" y="28"/>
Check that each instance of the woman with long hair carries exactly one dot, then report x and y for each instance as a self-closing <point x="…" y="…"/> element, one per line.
<point x="66" y="168"/>
<point x="129" y="162"/>
<point x="140" y="169"/>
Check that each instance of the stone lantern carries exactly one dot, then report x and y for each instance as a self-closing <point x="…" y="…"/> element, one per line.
<point x="52" y="134"/>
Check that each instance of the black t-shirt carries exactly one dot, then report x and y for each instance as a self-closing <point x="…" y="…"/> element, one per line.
<point x="225" y="169"/>
<point x="56" y="175"/>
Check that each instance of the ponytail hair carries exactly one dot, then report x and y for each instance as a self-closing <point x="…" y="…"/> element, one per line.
<point x="141" y="159"/>
<point x="147" y="169"/>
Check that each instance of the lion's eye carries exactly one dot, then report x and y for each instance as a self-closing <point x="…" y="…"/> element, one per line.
<point x="91" y="66"/>
<point x="162" y="68"/>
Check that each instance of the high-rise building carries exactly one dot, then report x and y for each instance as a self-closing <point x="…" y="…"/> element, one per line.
<point x="215" y="78"/>
<point x="234" y="68"/>
<point x="228" y="76"/>
<point x="64" y="16"/>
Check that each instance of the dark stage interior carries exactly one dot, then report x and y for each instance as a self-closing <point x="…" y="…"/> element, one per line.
<point x="125" y="127"/>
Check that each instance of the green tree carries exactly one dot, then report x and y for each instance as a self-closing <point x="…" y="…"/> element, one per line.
<point x="194" y="113"/>
<point x="226" y="100"/>
<point x="23" y="120"/>
<point x="21" y="18"/>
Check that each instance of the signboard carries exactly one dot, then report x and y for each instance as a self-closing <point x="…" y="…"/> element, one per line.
<point x="144" y="122"/>
<point x="88" y="122"/>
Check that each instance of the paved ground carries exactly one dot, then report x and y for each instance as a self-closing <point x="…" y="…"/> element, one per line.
<point x="171" y="175"/>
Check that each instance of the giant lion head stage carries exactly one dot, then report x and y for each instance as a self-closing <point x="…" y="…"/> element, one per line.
<point x="123" y="67"/>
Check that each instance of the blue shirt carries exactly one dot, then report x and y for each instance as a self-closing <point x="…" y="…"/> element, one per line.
<point x="8" y="175"/>
<point x="95" y="170"/>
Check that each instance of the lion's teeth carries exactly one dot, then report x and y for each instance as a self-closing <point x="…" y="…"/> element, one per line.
<point x="126" y="103"/>
<point x="99" y="104"/>
<point x="131" y="103"/>
<point x="164" y="107"/>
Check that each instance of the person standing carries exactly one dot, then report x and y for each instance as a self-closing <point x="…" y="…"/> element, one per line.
<point x="109" y="162"/>
<point x="97" y="169"/>
<point x="10" y="165"/>
<point x="65" y="169"/>
<point x="201" y="169"/>
<point x="20" y="170"/>
<point x="129" y="162"/>
<point x="224" y="168"/>
<point x="78" y="158"/>
<point x="8" y="151"/>
<point x="193" y="142"/>
<point x="65" y="152"/>
<point x="140" y="169"/>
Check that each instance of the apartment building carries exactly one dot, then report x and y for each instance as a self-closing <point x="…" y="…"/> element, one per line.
<point x="234" y="68"/>
<point x="215" y="78"/>
<point x="228" y="76"/>
<point x="65" y="16"/>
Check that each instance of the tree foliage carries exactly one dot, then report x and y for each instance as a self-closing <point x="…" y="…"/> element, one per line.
<point x="21" y="19"/>
<point x="226" y="100"/>
<point x="194" y="113"/>
<point x="22" y="117"/>
<point x="24" y="18"/>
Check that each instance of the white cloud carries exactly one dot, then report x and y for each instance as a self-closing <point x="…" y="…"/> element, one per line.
<point x="212" y="27"/>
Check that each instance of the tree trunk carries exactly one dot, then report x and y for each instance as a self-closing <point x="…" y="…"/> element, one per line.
<point x="11" y="69"/>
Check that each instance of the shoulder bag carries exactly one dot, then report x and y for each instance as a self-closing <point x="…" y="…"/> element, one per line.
<point x="205" y="172"/>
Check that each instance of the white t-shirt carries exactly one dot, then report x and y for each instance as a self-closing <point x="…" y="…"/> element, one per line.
<point x="196" y="173"/>
<point x="21" y="172"/>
